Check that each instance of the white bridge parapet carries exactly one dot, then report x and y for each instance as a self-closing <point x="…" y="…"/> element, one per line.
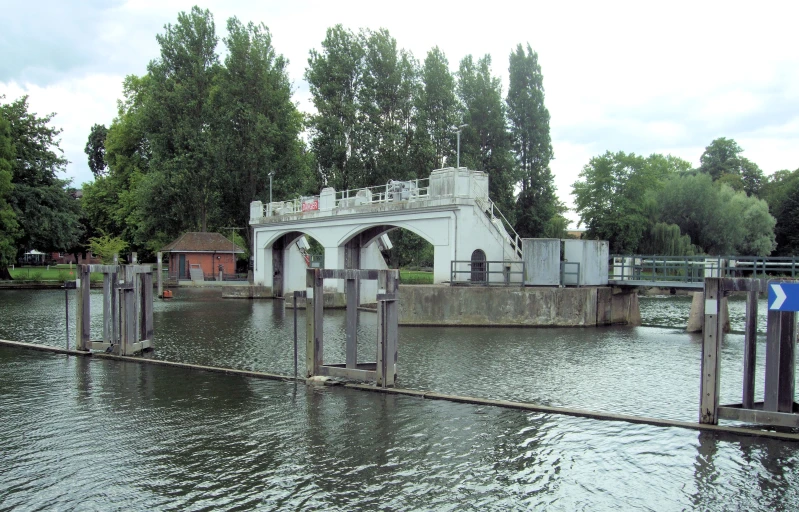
<point x="450" y="209"/>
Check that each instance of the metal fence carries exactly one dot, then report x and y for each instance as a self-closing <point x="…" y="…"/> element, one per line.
<point x="694" y="269"/>
<point x="487" y="273"/>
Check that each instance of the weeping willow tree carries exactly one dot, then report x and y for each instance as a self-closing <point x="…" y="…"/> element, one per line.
<point x="668" y="240"/>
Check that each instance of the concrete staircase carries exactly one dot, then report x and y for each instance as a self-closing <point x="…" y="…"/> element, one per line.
<point x="510" y="241"/>
<point x="196" y="273"/>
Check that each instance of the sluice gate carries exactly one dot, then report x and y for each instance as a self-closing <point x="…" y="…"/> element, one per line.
<point x="127" y="309"/>
<point x="778" y="407"/>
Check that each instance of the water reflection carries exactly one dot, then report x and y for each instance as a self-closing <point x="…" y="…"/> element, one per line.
<point x="110" y="435"/>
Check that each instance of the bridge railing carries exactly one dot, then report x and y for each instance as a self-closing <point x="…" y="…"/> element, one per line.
<point x="487" y="273"/>
<point x="393" y="191"/>
<point x="492" y="210"/>
<point x="694" y="269"/>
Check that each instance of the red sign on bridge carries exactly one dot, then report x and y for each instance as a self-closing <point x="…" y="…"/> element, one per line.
<point x="308" y="206"/>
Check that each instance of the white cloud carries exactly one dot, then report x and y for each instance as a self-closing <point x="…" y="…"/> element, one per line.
<point x="619" y="75"/>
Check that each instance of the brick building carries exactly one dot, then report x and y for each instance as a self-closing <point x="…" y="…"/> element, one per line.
<point x="208" y="253"/>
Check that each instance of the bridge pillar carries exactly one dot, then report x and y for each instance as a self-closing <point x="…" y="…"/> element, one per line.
<point x="442" y="261"/>
<point x="696" y="318"/>
<point x="334" y="258"/>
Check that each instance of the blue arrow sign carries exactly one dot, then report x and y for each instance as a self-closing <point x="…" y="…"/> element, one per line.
<point x="783" y="296"/>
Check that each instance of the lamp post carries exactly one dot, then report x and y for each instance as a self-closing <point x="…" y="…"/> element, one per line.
<point x="457" y="130"/>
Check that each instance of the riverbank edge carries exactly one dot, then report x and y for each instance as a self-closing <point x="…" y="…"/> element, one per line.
<point x="47" y="285"/>
<point x="432" y="395"/>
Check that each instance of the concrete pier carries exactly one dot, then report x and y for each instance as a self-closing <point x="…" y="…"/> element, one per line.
<point x="696" y="317"/>
<point x="517" y="306"/>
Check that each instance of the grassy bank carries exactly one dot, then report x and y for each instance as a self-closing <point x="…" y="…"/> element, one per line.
<point x="415" y="277"/>
<point x="56" y="273"/>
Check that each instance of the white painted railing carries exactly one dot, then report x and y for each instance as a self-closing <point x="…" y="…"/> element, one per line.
<point x="490" y="208"/>
<point x="393" y="191"/>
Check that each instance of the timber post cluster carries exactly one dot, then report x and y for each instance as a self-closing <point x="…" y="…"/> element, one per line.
<point x="127" y="309"/>
<point x="384" y="370"/>
<point x="778" y="407"/>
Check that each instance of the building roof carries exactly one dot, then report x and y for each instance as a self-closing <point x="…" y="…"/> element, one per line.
<point x="202" y="242"/>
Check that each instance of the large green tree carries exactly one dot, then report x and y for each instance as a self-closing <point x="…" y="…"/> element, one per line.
<point x="718" y="219"/>
<point x="612" y="196"/>
<point x="386" y="107"/>
<point x="179" y="119"/>
<point x="47" y="214"/>
<point x="115" y="204"/>
<point x="781" y="192"/>
<point x="195" y="139"/>
<point x="436" y="114"/>
<point x="722" y="160"/>
<point x="8" y="219"/>
<point x="95" y="149"/>
<point x="537" y="203"/>
<point x="335" y="77"/>
<point x="259" y="127"/>
<point x="485" y="142"/>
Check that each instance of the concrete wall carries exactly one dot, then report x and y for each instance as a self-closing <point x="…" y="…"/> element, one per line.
<point x="530" y="307"/>
<point x="542" y="261"/>
<point x="593" y="258"/>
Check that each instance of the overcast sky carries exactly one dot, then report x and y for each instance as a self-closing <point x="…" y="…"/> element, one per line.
<point x="642" y="77"/>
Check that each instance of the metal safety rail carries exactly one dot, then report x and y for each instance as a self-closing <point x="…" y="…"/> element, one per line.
<point x="691" y="271"/>
<point x="495" y="214"/>
<point x="487" y="273"/>
<point x="409" y="190"/>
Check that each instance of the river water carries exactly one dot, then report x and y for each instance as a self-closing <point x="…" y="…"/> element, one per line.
<point x="102" y="435"/>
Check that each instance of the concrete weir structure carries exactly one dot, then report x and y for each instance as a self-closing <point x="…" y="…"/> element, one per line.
<point x="517" y="307"/>
<point x="474" y="246"/>
<point x="451" y="210"/>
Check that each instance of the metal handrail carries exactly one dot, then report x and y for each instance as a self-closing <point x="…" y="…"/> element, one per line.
<point x="516" y="241"/>
<point x="507" y="272"/>
<point x="692" y="269"/>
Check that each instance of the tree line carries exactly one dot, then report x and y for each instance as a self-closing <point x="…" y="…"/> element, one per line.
<point x="661" y="205"/>
<point x="209" y="127"/>
<point x="197" y="137"/>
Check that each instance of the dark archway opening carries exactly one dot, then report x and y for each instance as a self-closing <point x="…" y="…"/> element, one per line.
<point x="479" y="274"/>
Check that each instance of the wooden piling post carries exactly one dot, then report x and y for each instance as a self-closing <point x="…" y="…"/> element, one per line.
<point x="82" y="323"/>
<point x="780" y="361"/>
<point x="146" y="306"/>
<point x="387" y="320"/>
<point x="115" y="305"/>
<point x="352" y="288"/>
<point x="159" y="269"/>
<point x="108" y="291"/>
<point x="750" y="350"/>
<point x="314" y="305"/>
<point x="713" y="334"/>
